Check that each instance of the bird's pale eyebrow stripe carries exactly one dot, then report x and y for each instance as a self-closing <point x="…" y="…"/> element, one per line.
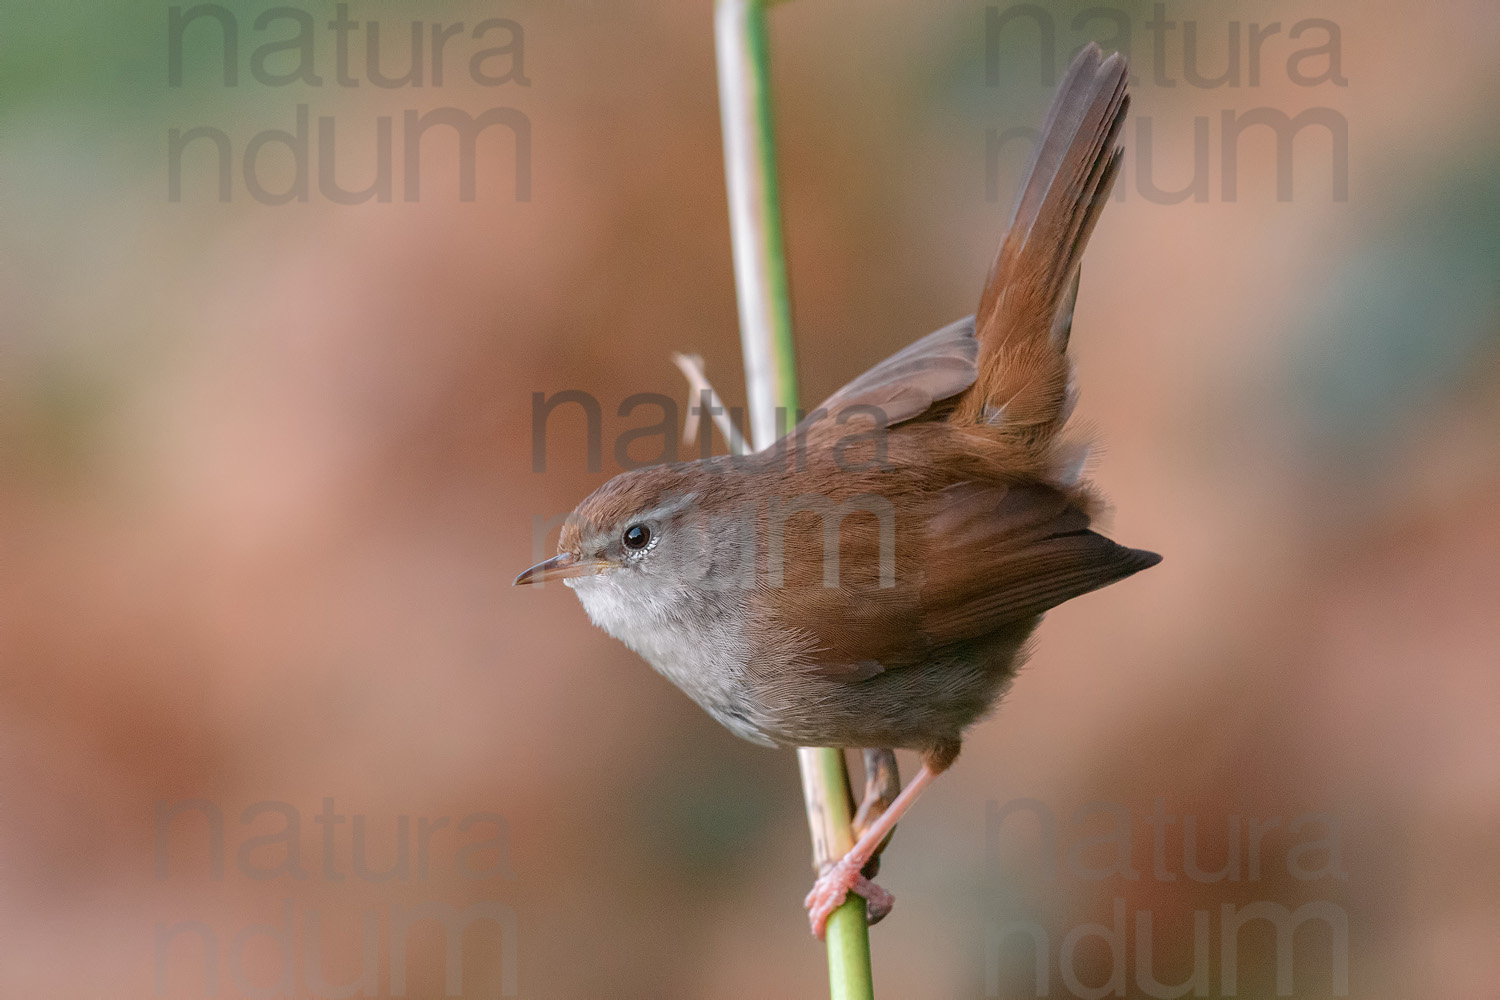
<point x="674" y="506"/>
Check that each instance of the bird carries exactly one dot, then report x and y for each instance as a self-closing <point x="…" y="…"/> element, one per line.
<point x="873" y="580"/>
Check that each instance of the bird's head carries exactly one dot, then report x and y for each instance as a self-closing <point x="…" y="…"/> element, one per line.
<point x="651" y="525"/>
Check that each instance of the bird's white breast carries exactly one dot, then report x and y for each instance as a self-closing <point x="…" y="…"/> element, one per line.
<point x="691" y="640"/>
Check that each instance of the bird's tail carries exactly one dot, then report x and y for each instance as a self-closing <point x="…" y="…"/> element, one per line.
<point x="1026" y="310"/>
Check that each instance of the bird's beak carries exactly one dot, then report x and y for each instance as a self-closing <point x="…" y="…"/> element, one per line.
<point x="559" y="567"/>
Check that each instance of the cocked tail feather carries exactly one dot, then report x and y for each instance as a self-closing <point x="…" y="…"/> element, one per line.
<point x="1026" y="309"/>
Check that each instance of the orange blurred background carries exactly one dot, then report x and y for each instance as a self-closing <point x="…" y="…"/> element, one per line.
<point x="266" y="476"/>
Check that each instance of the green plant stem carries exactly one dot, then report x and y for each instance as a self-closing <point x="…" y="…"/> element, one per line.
<point x="771" y="385"/>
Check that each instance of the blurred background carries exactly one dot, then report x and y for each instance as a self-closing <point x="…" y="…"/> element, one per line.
<point x="266" y="474"/>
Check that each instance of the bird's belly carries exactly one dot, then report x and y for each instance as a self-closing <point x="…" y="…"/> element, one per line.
<point x="699" y="647"/>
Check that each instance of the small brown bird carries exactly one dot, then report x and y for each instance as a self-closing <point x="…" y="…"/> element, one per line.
<point x="872" y="579"/>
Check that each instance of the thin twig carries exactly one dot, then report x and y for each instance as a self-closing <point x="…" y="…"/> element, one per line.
<point x="771" y="385"/>
<point x="703" y="397"/>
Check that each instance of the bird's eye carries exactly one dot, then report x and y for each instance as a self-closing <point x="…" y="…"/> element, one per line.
<point x="637" y="536"/>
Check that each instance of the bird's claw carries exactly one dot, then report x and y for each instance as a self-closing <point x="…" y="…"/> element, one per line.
<point x="833" y="886"/>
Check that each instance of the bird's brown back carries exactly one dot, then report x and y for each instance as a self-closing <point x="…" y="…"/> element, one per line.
<point x="964" y="516"/>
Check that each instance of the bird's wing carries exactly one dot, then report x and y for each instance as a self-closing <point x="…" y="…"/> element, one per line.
<point x="974" y="560"/>
<point x="998" y="555"/>
<point x="906" y="384"/>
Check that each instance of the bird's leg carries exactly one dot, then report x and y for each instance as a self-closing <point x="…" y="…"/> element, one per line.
<point x="843" y="876"/>
<point x="882" y="785"/>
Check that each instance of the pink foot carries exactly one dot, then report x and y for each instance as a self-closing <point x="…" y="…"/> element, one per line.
<point x="830" y="890"/>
